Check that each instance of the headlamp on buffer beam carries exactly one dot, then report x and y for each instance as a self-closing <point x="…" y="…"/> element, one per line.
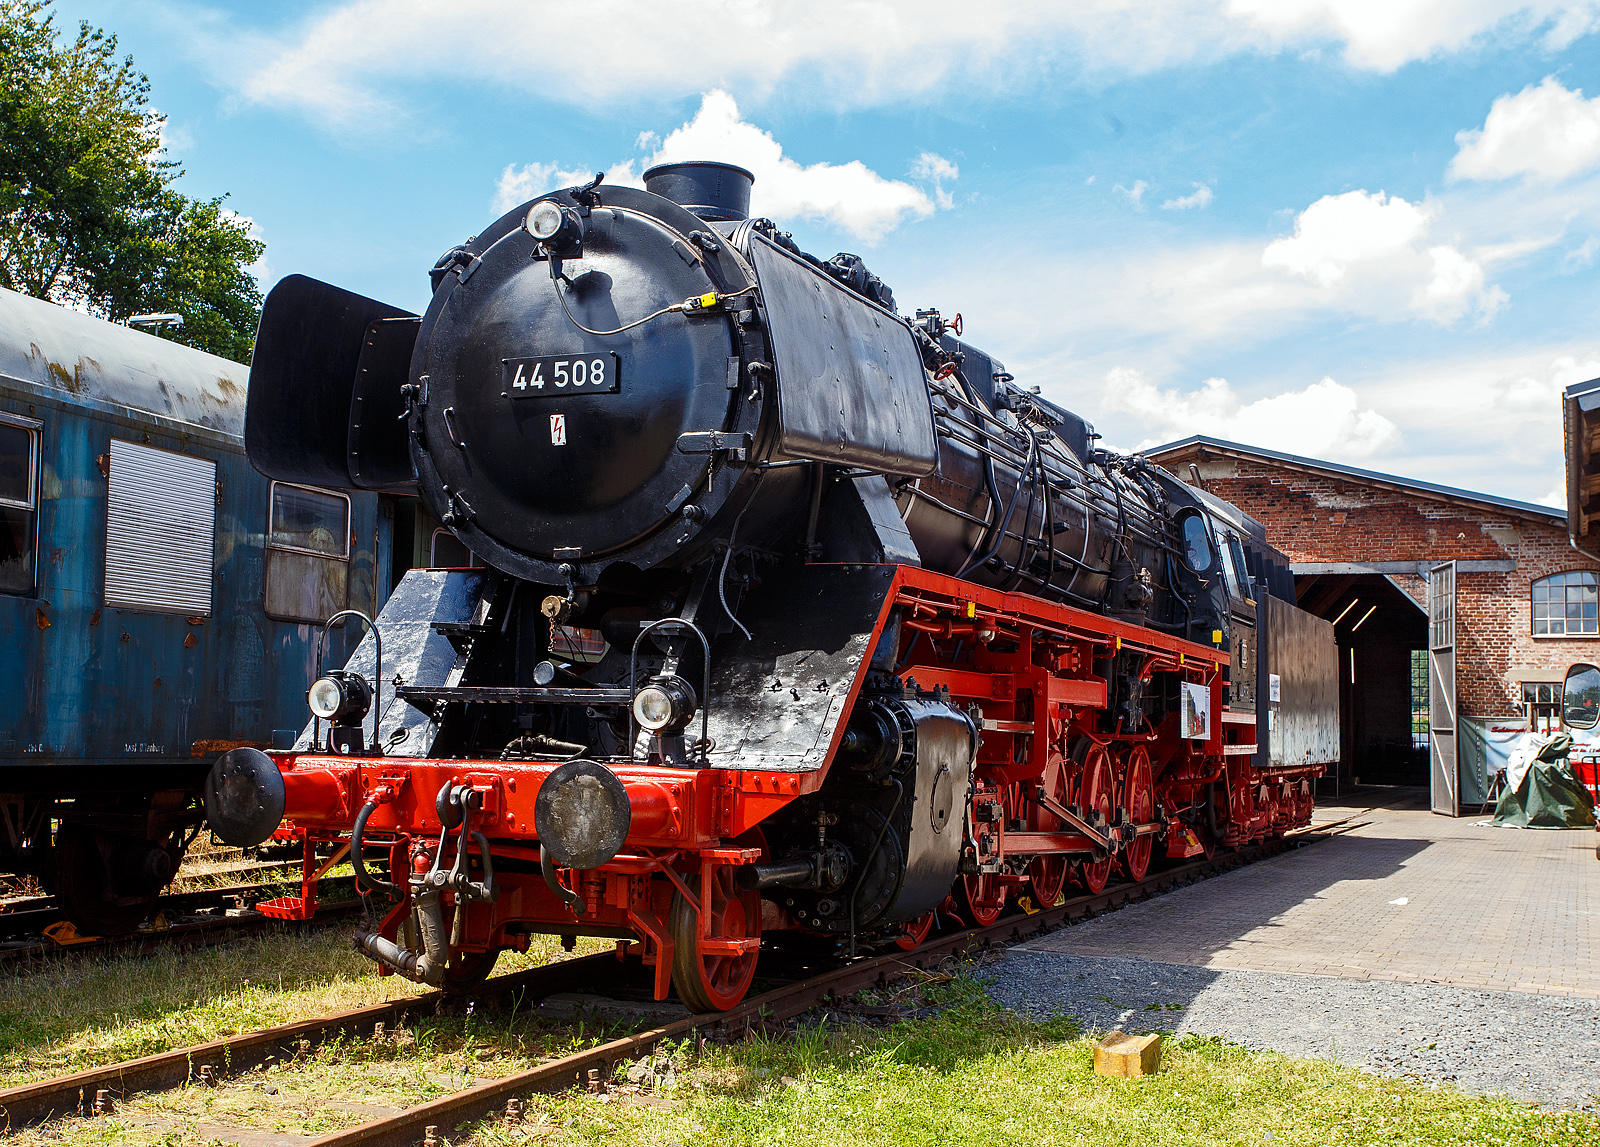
<point x="340" y="697"/>
<point x="558" y="229"/>
<point x="665" y="704"/>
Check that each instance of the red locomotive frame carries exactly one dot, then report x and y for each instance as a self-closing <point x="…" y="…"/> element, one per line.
<point x="1054" y="798"/>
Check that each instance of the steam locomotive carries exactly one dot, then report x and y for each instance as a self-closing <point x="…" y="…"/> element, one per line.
<point x="794" y="613"/>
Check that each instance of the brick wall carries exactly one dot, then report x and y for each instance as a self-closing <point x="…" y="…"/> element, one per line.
<point x="1317" y="519"/>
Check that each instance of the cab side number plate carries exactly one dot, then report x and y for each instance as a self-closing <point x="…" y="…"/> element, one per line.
<point x="560" y="374"/>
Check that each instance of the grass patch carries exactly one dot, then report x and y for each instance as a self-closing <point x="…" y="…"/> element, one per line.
<point x="975" y="1074"/>
<point x="70" y="1013"/>
<point x="958" y="1070"/>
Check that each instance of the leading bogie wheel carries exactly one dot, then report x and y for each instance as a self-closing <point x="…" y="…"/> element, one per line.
<point x="914" y="932"/>
<point x="713" y="981"/>
<point x="467" y="970"/>
<point x="1139" y="802"/>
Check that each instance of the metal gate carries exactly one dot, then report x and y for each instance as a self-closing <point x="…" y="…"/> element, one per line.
<point x="1446" y="793"/>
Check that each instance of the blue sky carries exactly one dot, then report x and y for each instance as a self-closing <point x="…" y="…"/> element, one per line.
<point x="1364" y="230"/>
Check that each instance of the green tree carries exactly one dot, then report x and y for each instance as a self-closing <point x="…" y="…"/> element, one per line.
<point x="88" y="214"/>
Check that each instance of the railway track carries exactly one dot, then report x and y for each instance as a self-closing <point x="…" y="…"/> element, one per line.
<point x="100" y="1090"/>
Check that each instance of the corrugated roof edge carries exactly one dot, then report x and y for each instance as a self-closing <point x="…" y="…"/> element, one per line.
<point x="1433" y="489"/>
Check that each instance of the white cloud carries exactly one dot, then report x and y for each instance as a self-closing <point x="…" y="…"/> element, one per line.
<point x="1546" y="132"/>
<point x="1339" y="231"/>
<point x="935" y="168"/>
<point x="1200" y="198"/>
<point x="520" y="184"/>
<point x="1487" y="422"/>
<point x="169" y="137"/>
<point x="849" y="196"/>
<point x="1374" y="245"/>
<point x="1580" y="256"/>
<point x="1135" y="193"/>
<point x="1325" y="420"/>
<point x="352" y="63"/>
<point x="1382" y="35"/>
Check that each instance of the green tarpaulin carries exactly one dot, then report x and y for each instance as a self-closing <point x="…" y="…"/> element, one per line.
<point x="1548" y="795"/>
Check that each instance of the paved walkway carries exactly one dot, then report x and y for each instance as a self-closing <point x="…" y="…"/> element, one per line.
<point x="1408" y="897"/>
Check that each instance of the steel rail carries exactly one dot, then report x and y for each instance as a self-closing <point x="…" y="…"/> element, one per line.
<point x="40" y="1102"/>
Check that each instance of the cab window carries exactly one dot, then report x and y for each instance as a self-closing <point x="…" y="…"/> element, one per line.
<point x="1233" y="564"/>
<point x="1197" y="552"/>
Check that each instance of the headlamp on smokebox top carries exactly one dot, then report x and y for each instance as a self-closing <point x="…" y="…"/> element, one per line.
<point x="665" y="704"/>
<point x="340" y="697"/>
<point x="558" y="229"/>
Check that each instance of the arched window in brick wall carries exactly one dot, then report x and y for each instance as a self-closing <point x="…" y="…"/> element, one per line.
<point x="1566" y="604"/>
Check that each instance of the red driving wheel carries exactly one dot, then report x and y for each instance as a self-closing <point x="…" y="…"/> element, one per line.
<point x="1095" y="796"/>
<point x="1048" y="874"/>
<point x="983" y="897"/>
<point x="1139" y="801"/>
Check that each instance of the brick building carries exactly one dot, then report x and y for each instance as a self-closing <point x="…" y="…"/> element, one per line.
<point x="1362" y="546"/>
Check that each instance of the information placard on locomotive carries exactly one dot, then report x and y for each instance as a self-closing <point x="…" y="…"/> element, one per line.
<point x="560" y="374"/>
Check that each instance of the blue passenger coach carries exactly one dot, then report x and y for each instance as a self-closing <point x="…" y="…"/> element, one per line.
<point x="160" y="600"/>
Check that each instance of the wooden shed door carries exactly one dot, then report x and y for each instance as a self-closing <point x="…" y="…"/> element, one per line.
<point x="1446" y="794"/>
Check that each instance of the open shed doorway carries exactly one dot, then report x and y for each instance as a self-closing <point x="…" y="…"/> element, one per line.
<point x="1382" y="630"/>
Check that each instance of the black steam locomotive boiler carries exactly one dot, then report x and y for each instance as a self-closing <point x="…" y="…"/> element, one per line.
<point x="785" y="611"/>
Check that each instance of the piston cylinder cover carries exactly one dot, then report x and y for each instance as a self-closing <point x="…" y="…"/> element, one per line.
<point x="896" y="872"/>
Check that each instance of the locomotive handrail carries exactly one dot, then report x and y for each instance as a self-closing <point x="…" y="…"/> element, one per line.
<point x="705" y="694"/>
<point x="377" y="672"/>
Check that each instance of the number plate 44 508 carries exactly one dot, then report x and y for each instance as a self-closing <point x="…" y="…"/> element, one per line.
<point x="560" y="374"/>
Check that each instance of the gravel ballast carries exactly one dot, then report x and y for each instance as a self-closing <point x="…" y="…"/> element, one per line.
<point x="1541" y="1049"/>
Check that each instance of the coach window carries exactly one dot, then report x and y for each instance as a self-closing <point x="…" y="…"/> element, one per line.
<point x="18" y="469"/>
<point x="1566" y="604"/>
<point x="308" y="553"/>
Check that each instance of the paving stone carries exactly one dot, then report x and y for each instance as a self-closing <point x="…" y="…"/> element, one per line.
<point x="1505" y="908"/>
<point x="1488" y="976"/>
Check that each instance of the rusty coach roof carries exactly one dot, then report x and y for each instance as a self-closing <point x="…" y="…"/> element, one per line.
<point x="82" y="357"/>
